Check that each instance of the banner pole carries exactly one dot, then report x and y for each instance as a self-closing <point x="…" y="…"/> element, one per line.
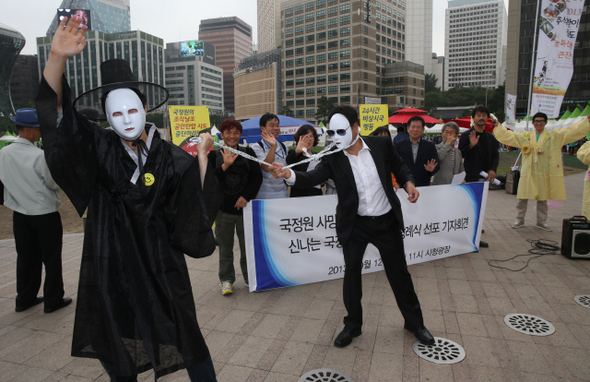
<point x="533" y="63"/>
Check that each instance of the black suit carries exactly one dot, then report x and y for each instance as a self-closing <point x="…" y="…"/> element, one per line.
<point x="426" y="152"/>
<point x="356" y="232"/>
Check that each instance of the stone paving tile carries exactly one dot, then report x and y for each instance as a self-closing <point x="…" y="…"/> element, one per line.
<point x="486" y="374"/>
<point x="254" y="336"/>
<point x="528" y="358"/>
<point x="293" y="358"/>
<point x="250" y="352"/>
<point x="233" y="373"/>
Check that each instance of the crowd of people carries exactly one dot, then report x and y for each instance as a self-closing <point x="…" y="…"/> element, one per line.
<point x="148" y="203"/>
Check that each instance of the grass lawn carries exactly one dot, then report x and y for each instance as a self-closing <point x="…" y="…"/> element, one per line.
<point x="571" y="164"/>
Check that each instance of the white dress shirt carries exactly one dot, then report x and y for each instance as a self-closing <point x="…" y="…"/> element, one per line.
<point x="28" y="186"/>
<point x="372" y="198"/>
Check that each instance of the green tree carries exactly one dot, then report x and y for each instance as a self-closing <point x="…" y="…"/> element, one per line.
<point x="215" y="119"/>
<point x="324" y="108"/>
<point x="430" y="81"/>
<point x="287" y="111"/>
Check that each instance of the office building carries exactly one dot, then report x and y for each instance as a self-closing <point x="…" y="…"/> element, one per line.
<point x="437" y="68"/>
<point x="144" y="52"/>
<point x="107" y="16"/>
<point x="258" y="85"/>
<point x="419" y="33"/>
<point x="11" y="43"/>
<point x="341" y="50"/>
<point x="475" y="35"/>
<point x="24" y="81"/>
<point x="521" y="24"/>
<point x="232" y="39"/>
<point x="191" y="76"/>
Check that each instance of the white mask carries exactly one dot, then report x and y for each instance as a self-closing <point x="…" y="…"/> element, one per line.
<point x="339" y="123"/>
<point x="125" y="113"/>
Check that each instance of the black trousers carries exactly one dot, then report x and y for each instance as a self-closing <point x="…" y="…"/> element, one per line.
<point x="384" y="234"/>
<point x="38" y="241"/>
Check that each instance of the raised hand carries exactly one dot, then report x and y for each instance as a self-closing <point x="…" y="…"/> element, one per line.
<point x="430" y="165"/>
<point x="228" y="157"/>
<point x="473" y="139"/>
<point x="69" y="39"/>
<point x="270" y="139"/>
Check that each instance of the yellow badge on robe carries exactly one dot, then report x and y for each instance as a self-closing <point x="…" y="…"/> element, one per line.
<point x="148" y="179"/>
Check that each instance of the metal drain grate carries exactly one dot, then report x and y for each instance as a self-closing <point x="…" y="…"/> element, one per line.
<point x="325" y="375"/>
<point x="444" y="351"/>
<point x="528" y="324"/>
<point x="583" y="299"/>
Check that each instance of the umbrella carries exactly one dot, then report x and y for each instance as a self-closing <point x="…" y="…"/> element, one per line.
<point x="289" y="125"/>
<point x="403" y="118"/>
<point x="410" y="110"/>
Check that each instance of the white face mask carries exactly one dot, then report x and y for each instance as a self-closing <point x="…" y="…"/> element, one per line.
<point x="342" y="131"/>
<point x="125" y="113"/>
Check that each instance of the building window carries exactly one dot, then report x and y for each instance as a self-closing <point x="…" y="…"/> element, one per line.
<point x="332" y="89"/>
<point x="310" y="91"/>
<point x="345" y="42"/>
<point x="321" y="79"/>
<point x="309" y="59"/>
<point x="289" y="22"/>
<point x="333" y="33"/>
<point x="344" y="19"/>
<point x="321" y="90"/>
<point x="344" y="31"/>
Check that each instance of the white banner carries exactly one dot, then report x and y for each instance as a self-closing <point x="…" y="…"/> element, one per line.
<point x="558" y="28"/>
<point x="293" y="241"/>
<point x="510" y="111"/>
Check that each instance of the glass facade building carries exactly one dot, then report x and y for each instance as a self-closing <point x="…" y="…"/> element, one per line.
<point x="232" y="38"/>
<point x="11" y="43"/>
<point x="108" y="16"/>
<point x="144" y="52"/>
<point x="194" y="80"/>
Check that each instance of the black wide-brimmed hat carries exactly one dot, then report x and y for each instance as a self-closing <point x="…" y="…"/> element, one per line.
<point x="117" y="74"/>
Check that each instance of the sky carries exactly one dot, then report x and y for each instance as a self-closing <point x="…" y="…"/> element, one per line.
<point x="176" y="20"/>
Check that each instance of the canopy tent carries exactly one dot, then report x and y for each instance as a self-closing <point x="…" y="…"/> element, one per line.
<point x="437" y="129"/>
<point x="409" y="110"/>
<point x="405" y="117"/>
<point x="465" y="123"/>
<point x="289" y="126"/>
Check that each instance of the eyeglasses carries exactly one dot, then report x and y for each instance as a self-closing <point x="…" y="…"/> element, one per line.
<point x="340" y="132"/>
<point x="538" y="121"/>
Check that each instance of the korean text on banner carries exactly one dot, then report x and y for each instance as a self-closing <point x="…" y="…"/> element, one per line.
<point x="558" y="28"/>
<point x="293" y="241"/>
<point x="372" y="117"/>
<point x="187" y="121"/>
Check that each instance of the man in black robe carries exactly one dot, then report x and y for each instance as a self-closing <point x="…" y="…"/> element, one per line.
<point x="148" y="203"/>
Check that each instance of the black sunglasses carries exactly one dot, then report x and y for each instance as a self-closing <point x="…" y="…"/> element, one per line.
<point x="340" y="132"/>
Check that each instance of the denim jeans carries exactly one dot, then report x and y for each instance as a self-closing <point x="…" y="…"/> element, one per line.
<point x="203" y="372"/>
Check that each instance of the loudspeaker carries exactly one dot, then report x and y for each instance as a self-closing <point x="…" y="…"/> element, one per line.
<point x="575" y="238"/>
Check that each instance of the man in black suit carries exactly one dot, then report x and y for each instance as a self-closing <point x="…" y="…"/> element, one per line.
<point x="368" y="211"/>
<point x="419" y="155"/>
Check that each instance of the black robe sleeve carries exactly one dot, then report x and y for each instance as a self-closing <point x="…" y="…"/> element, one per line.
<point x="70" y="149"/>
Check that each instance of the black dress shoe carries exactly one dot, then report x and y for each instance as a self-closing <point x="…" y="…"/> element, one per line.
<point x="23" y="307"/>
<point x="422" y="334"/>
<point x="345" y="337"/>
<point x="65" y="302"/>
<point x="483" y="244"/>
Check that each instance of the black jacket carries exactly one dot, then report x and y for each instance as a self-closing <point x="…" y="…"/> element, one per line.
<point x="473" y="157"/>
<point x="337" y="167"/>
<point x="426" y="152"/>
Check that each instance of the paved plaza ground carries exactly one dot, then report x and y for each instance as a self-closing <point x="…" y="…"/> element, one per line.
<point x="279" y="335"/>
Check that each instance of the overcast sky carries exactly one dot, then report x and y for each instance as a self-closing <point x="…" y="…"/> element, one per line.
<point x="172" y="20"/>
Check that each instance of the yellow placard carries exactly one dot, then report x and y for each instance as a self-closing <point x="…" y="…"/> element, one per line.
<point x="372" y="117"/>
<point x="187" y="121"/>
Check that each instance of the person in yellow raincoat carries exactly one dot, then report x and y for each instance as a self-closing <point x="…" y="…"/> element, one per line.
<point x="584" y="156"/>
<point x="541" y="175"/>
